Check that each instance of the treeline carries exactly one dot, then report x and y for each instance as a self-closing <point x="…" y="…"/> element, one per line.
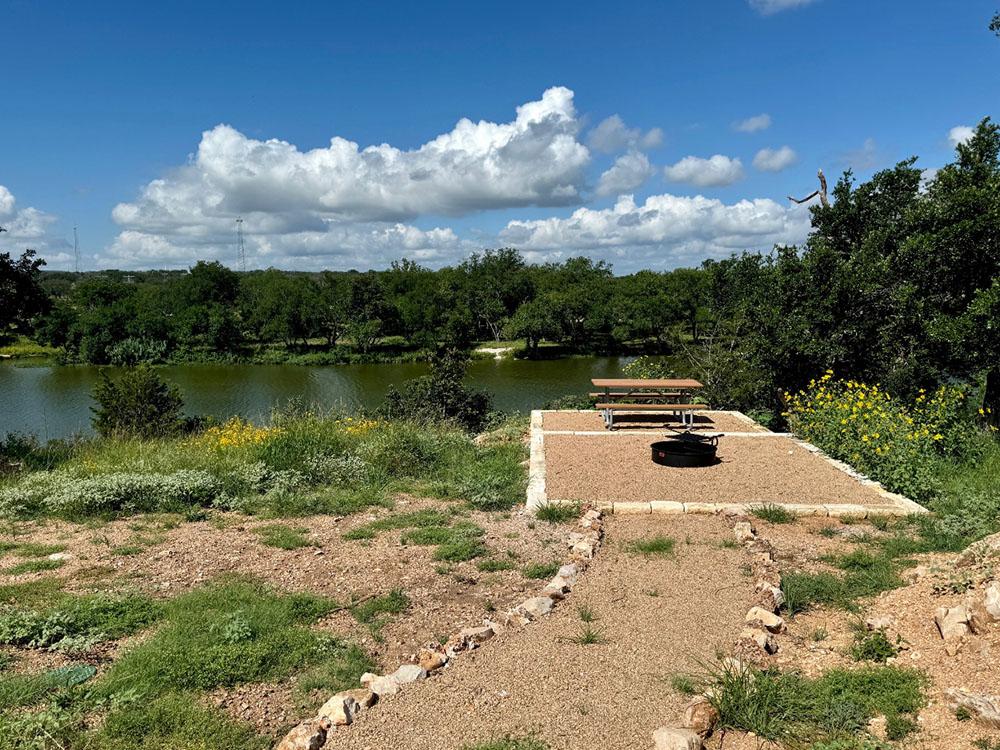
<point x="115" y="317"/>
<point x="898" y="283"/>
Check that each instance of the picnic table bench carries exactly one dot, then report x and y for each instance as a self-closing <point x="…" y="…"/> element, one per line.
<point x="636" y="395"/>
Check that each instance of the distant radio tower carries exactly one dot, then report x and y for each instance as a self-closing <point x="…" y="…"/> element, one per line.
<point x="76" y="251"/>
<point x="240" y="247"/>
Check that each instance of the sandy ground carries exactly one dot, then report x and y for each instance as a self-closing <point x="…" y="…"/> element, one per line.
<point x="713" y="421"/>
<point x="617" y="467"/>
<point x="657" y="617"/>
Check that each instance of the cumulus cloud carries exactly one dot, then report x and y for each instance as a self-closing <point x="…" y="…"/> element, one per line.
<point x="667" y="230"/>
<point x="769" y="7"/>
<point x="753" y="124"/>
<point x="775" y="160"/>
<point x="629" y="172"/>
<point x="612" y="135"/>
<point x="960" y="134"/>
<point x="715" y="171"/>
<point x="350" y="200"/>
<point x="31" y="228"/>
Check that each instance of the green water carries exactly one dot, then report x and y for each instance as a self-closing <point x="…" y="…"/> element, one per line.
<point x="54" y="402"/>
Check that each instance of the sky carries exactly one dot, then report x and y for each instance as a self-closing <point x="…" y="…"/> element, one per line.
<point x="648" y="134"/>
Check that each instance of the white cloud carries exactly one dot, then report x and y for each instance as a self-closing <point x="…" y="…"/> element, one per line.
<point x="960" y="134"/>
<point x="769" y="7"/>
<point x="612" y="135"/>
<point x="667" y="230"/>
<point x="349" y="200"/>
<point x="629" y="172"/>
<point x="753" y="124"/>
<point x="775" y="160"/>
<point x="30" y="228"/>
<point x="712" y="172"/>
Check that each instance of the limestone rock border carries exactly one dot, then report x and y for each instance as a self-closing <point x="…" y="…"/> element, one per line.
<point x="341" y="709"/>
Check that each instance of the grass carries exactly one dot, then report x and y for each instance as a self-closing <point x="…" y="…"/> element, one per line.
<point x="417" y="519"/>
<point x="864" y="574"/>
<point x="494" y="565"/>
<point x="873" y="646"/>
<point x="558" y="512"/>
<point x="658" y="546"/>
<point x="586" y="613"/>
<point x="28" y="689"/>
<point x="376" y="612"/>
<point x="588" y="635"/>
<point x="283" y="537"/>
<point x="772" y="513"/>
<point x="684" y="684"/>
<point x="540" y="571"/>
<point x="456" y="543"/>
<point x="785" y="707"/>
<point x="33" y="566"/>
<point x="509" y="743"/>
<point x="31" y="549"/>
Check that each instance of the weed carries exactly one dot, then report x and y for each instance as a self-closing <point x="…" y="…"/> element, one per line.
<point x="509" y="743"/>
<point x="653" y="593"/>
<point x="558" y="512"/>
<point x="588" y="635"/>
<point x="819" y="634"/>
<point x="283" y="537"/>
<point x="729" y="544"/>
<point x="125" y="550"/>
<point x="773" y="513"/>
<point x="493" y="565"/>
<point x="418" y="519"/>
<point x="864" y="575"/>
<point x="659" y="545"/>
<point x="374" y="612"/>
<point x="33" y="566"/>
<point x="31" y="549"/>
<point x="684" y="684"/>
<point x="587" y="613"/>
<point x="872" y="646"/>
<point x="540" y="571"/>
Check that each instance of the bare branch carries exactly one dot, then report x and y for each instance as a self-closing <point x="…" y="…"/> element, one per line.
<point x="821" y="192"/>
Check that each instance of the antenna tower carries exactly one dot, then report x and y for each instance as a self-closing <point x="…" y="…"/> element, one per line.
<point x="240" y="247"/>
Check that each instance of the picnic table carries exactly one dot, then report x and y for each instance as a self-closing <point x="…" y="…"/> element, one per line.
<point x="647" y="395"/>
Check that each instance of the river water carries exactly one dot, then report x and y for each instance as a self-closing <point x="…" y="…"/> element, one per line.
<point x="54" y="401"/>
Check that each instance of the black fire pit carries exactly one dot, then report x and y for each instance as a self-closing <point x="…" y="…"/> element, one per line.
<point x="686" y="450"/>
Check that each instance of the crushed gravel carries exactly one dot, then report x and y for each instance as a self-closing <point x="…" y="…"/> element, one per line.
<point x="712" y="421"/>
<point x="617" y="467"/>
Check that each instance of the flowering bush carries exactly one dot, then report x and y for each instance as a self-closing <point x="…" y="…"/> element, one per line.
<point x="236" y="433"/>
<point x="898" y="444"/>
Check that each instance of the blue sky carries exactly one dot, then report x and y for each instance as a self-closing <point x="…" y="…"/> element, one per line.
<point x="104" y="105"/>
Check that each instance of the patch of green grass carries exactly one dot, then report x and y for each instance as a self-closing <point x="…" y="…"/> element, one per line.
<point x="417" y="519"/>
<point x="338" y="670"/>
<point x="772" y="513"/>
<point x="127" y="550"/>
<point x="786" y="707"/>
<point x="222" y="634"/>
<point x="587" y="613"/>
<point x="540" y="571"/>
<point x="659" y="546"/>
<point x="28" y="689"/>
<point x="509" y="743"/>
<point x="588" y="635"/>
<point x="558" y="512"/>
<point x="460" y="550"/>
<point x="872" y="646"/>
<point x="864" y="574"/>
<point x="31" y="549"/>
<point x="375" y="612"/>
<point x="283" y="537"/>
<point x="684" y="684"/>
<point x="454" y="543"/>
<point x="33" y="566"/>
<point x="31" y="593"/>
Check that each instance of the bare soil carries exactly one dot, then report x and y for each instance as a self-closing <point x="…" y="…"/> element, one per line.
<point x="617" y="467"/>
<point x="591" y="421"/>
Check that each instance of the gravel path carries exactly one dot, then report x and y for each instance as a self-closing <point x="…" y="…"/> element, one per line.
<point x="711" y="421"/>
<point x="657" y="616"/>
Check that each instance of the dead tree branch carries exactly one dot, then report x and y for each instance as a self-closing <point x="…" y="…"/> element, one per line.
<point x="821" y="192"/>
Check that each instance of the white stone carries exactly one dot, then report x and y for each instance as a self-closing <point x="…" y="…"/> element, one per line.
<point x="584" y="550"/>
<point x="773" y="595"/>
<point x="952" y="622"/>
<point x="569" y="573"/>
<point x="408" y="673"/>
<point x="59" y="557"/>
<point x="991" y="600"/>
<point x="744" y="531"/>
<point x="671" y="738"/>
<point x="592" y="515"/>
<point x="341" y="709"/>
<point x="880" y="623"/>
<point x="309" y="735"/>
<point x="700" y="715"/>
<point x="761" y="638"/>
<point x="982" y="550"/>
<point x="535" y="607"/>
<point x="769" y="620"/>
<point x="985" y="709"/>
<point x="384" y="686"/>
<point x="476" y="635"/>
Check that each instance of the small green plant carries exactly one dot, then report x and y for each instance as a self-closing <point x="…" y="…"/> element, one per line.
<point x="684" y="684"/>
<point x="819" y="634"/>
<point x="375" y="612"/>
<point x="283" y="537"/>
<point x="493" y="565"/>
<point x="963" y="714"/>
<point x="874" y="646"/>
<point x="587" y="613"/>
<point x="985" y="743"/>
<point x="509" y="743"/>
<point x="772" y="513"/>
<point x="138" y="404"/>
<point x="540" y="571"/>
<point x="558" y="512"/>
<point x="658" y="546"/>
<point x="588" y="635"/>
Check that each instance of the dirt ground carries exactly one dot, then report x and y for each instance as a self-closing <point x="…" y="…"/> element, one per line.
<point x="617" y="467"/>
<point x="710" y="421"/>
<point x="657" y="616"/>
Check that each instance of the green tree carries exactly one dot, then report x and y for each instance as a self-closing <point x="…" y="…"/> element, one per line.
<point x="367" y="310"/>
<point x="21" y="297"/>
<point x="139" y="404"/>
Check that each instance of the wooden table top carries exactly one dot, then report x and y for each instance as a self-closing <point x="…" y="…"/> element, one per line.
<point x="645" y="383"/>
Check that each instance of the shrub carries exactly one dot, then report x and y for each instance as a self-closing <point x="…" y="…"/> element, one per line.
<point x="138" y="404"/>
<point x="900" y="445"/>
<point x="132" y="351"/>
<point x="440" y="396"/>
<point x="648" y="367"/>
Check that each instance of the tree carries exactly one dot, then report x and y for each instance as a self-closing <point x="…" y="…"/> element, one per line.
<point x="496" y="283"/>
<point x="21" y="297"/>
<point x="366" y="310"/>
<point x="139" y="404"/>
<point x="995" y="24"/>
